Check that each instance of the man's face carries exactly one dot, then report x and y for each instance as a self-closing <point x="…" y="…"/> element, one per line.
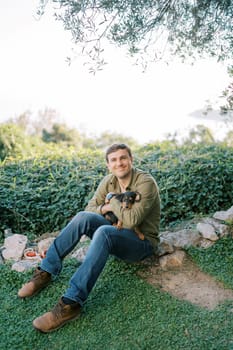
<point x="120" y="163"/>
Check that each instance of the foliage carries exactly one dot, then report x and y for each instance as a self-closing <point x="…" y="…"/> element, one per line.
<point x="25" y="136"/>
<point x="184" y="28"/>
<point x="227" y="95"/>
<point x="226" y="105"/>
<point x="228" y="139"/>
<point x="34" y="124"/>
<point x="217" y="261"/>
<point x="41" y="194"/>
<point x="107" y="138"/>
<point x="15" y="142"/>
<point x="201" y="135"/>
<point x="192" y="179"/>
<point x="60" y="133"/>
<point x="122" y="312"/>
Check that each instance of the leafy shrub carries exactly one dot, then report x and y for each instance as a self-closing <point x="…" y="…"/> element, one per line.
<point x="192" y="180"/>
<point x="13" y="141"/>
<point x="42" y="194"/>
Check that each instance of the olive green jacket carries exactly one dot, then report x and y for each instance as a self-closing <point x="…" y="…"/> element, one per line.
<point x="144" y="214"/>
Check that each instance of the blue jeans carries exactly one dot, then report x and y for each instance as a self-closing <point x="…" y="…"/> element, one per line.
<point x="105" y="240"/>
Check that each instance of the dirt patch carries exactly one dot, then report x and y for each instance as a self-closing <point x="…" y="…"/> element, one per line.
<point x="188" y="283"/>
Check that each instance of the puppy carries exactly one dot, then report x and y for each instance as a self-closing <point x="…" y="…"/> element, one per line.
<point x="127" y="200"/>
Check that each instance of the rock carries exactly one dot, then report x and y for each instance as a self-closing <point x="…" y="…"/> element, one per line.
<point x="44" y="244"/>
<point x="24" y="265"/>
<point x="80" y="253"/>
<point x="207" y="231"/>
<point x="182" y="239"/>
<point x="14" y="247"/>
<point x="206" y="243"/>
<point x="221" y="229"/>
<point x="165" y="246"/>
<point x="172" y="260"/>
<point x="224" y="215"/>
<point x="150" y="260"/>
<point x="84" y="238"/>
<point x="8" y="232"/>
<point x="170" y="248"/>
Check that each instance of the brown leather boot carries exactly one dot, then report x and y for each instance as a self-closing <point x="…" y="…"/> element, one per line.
<point x="57" y="317"/>
<point x="39" y="280"/>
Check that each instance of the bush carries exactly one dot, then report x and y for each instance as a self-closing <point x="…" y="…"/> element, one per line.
<point x="14" y="142"/>
<point x="192" y="180"/>
<point x="41" y="194"/>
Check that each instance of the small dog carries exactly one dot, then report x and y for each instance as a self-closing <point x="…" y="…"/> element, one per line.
<point x="127" y="200"/>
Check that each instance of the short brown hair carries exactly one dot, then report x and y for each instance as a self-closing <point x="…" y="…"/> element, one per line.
<point x="115" y="147"/>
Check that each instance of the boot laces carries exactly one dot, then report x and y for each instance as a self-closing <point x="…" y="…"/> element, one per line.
<point x="38" y="274"/>
<point x="58" y="310"/>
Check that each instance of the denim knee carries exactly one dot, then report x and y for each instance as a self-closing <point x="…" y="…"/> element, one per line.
<point x="87" y="223"/>
<point x="80" y="217"/>
<point x="102" y="234"/>
<point x="82" y="220"/>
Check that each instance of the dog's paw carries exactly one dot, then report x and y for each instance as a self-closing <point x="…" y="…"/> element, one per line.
<point x="119" y="225"/>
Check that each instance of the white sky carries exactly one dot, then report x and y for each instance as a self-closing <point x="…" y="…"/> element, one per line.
<point x="34" y="74"/>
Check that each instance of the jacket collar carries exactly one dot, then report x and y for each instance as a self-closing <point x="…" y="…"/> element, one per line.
<point x="114" y="180"/>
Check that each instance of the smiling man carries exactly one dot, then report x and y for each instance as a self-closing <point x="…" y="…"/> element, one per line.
<point x="106" y="239"/>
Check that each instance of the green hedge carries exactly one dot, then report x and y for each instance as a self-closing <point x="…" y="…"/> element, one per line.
<point x="42" y="194"/>
<point x="193" y="180"/>
<point x="39" y="195"/>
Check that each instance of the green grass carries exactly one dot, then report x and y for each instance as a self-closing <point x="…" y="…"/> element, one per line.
<point x="123" y="312"/>
<point x="217" y="260"/>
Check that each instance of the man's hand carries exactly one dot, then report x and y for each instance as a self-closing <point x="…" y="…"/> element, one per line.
<point x="109" y="197"/>
<point x="105" y="208"/>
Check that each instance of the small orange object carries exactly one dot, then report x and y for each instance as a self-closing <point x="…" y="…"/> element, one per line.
<point x="30" y="254"/>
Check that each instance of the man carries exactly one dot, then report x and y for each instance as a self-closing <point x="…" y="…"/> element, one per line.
<point x="106" y="239"/>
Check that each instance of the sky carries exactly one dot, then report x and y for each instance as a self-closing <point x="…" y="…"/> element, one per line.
<point x="34" y="74"/>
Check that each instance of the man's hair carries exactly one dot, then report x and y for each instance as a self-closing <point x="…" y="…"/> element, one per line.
<point x="115" y="147"/>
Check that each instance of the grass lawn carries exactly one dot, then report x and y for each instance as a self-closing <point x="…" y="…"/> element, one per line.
<point x="123" y="312"/>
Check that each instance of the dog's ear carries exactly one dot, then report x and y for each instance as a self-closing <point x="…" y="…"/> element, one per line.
<point x="138" y="197"/>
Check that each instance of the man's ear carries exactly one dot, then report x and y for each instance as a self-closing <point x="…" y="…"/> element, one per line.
<point x="107" y="166"/>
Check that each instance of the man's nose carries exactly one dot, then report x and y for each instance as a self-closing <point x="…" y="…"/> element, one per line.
<point x="119" y="161"/>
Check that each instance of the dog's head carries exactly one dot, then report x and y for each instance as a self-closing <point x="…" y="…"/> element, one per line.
<point x="128" y="198"/>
